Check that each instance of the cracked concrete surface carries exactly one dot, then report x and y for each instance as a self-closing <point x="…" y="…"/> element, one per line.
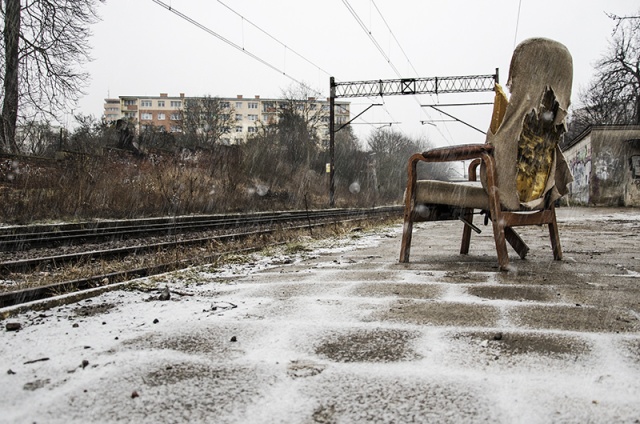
<point x="345" y="333"/>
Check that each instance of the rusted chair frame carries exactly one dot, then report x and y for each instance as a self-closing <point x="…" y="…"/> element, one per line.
<point x="502" y="221"/>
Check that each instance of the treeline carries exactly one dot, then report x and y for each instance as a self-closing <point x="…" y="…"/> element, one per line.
<point x="110" y="171"/>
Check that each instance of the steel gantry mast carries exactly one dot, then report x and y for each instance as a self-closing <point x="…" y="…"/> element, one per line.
<point x="393" y="87"/>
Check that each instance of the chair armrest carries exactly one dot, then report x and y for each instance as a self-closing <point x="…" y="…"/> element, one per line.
<point x="455" y="153"/>
<point x="473" y="169"/>
<point x="480" y="152"/>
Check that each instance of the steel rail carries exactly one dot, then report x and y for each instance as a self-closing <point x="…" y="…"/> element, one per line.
<point x="29" y="237"/>
<point x="18" y="297"/>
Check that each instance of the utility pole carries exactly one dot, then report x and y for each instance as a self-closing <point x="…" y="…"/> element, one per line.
<point x="402" y="86"/>
<point x="332" y="142"/>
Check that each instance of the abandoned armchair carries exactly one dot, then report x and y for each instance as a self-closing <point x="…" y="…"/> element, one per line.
<point x="522" y="170"/>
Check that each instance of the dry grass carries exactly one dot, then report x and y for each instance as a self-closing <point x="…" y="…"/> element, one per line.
<point x="292" y="242"/>
<point x="120" y="185"/>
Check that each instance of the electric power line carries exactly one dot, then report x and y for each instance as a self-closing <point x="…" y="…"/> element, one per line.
<point x="395" y="38"/>
<point x="422" y="110"/>
<point x="234" y="45"/>
<point x="273" y="38"/>
<point x="370" y="35"/>
<point x="515" y="36"/>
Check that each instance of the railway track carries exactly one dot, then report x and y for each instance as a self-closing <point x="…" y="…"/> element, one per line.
<point x="220" y="233"/>
<point x="37" y="236"/>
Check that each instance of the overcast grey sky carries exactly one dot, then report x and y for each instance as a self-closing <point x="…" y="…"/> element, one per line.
<point x="141" y="48"/>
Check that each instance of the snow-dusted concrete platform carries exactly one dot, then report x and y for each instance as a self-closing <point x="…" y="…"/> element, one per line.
<point x="341" y="332"/>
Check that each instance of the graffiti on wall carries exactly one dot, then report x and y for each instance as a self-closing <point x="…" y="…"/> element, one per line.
<point x="580" y="166"/>
<point x="635" y="166"/>
<point x="606" y="166"/>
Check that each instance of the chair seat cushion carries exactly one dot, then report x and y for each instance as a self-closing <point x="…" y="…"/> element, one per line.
<point x="465" y="194"/>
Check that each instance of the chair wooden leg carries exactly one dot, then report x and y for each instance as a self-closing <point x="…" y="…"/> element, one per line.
<point x="501" y="244"/>
<point x="516" y="242"/>
<point x="497" y="220"/>
<point x="466" y="232"/>
<point x="405" y="246"/>
<point x="409" y="202"/>
<point x="555" y="237"/>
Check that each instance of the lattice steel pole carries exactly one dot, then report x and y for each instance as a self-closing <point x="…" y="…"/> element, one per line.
<point x="332" y="141"/>
<point x="402" y="86"/>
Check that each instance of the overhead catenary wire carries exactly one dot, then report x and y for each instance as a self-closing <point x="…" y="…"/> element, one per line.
<point x="234" y="45"/>
<point x="515" y="36"/>
<point x="370" y="35"/>
<point x="244" y="19"/>
<point x="393" y="35"/>
<point x="395" y="38"/>
<point x="388" y="59"/>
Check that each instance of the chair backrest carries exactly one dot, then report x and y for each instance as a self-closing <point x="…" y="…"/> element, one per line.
<point x="530" y="167"/>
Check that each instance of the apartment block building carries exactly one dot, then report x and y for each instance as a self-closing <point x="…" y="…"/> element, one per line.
<point x="247" y="114"/>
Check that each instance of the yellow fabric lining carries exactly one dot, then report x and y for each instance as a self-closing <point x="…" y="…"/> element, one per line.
<point x="536" y="147"/>
<point x="499" y="108"/>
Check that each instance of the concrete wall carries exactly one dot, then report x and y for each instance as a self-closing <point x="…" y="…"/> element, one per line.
<point x="632" y="185"/>
<point x="602" y="162"/>
<point x="579" y="160"/>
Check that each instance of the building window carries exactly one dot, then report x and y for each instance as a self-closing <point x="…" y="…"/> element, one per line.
<point x="252" y="117"/>
<point x="130" y="102"/>
<point x="238" y="105"/>
<point x="129" y="114"/>
<point x="146" y="116"/>
<point x="238" y="117"/>
<point x="239" y="129"/>
<point x="175" y="117"/>
<point x="252" y="130"/>
<point x="268" y="107"/>
<point x="145" y="103"/>
<point x="225" y="105"/>
<point x="176" y="128"/>
<point x="161" y="117"/>
<point x="253" y="105"/>
<point x="176" y="103"/>
<point x="160" y="103"/>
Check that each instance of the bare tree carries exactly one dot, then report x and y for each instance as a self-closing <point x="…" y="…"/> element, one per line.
<point x="38" y="138"/>
<point x="45" y="42"/>
<point x="297" y="127"/>
<point x="613" y="96"/>
<point x="206" y="119"/>
<point x="299" y="99"/>
<point x="391" y="151"/>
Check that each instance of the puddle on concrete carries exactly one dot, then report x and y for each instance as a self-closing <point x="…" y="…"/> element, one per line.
<point x="362" y="399"/>
<point x="404" y="290"/>
<point x="632" y="350"/>
<point x="216" y="342"/>
<point x="464" y="277"/>
<point x="513" y="343"/>
<point x="535" y="294"/>
<point x="378" y="345"/>
<point x="89" y="310"/>
<point x="574" y="318"/>
<point x="440" y="313"/>
<point x="289" y="290"/>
